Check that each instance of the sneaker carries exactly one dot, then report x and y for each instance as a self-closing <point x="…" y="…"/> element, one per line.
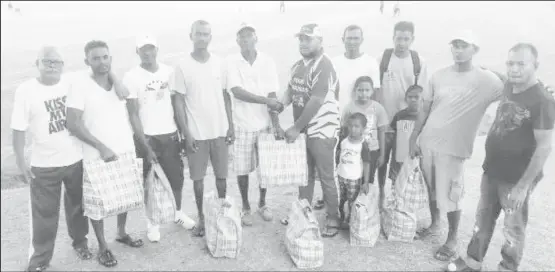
<point x="246" y="218"/>
<point x="153" y="233"/>
<point x="184" y="220"/>
<point x="266" y="213"/>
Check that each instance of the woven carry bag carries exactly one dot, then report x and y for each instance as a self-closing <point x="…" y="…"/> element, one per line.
<point x="282" y="163"/>
<point x="410" y="187"/>
<point x="159" y="200"/>
<point x="224" y="233"/>
<point x="364" y="228"/>
<point x="303" y="239"/>
<point x="111" y="188"/>
<point x="398" y="225"/>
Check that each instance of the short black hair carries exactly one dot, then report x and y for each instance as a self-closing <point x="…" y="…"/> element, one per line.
<point x="359" y="116"/>
<point x="353" y="27"/>
<point x="94" y="44"/>
<point x="363" y="79"/>
<point x="529" y="46"/>
<point x="198" y="22"/>
<point x="404" y="26"/>
<point x="414" y="88"/>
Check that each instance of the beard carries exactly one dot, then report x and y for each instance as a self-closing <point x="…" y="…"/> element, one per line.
<point x="309" y="55"/>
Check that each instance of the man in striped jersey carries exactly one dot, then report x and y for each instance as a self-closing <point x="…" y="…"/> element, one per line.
<point x="455" y="103"/>
<point x="313" y="89"/>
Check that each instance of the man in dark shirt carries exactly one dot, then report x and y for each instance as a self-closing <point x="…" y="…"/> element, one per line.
<point x="517" y="147"/>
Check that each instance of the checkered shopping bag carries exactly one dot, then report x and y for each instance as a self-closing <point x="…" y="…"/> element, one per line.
<point x="111" y="188"/>
<point x="365" y="219"/>
<point x="410" y="187"/>
<point x="302" y="236"/>
<point x="159" y="200"/>
<point x="224" y="233"/>
<point x="397" y="224"/>
<point x="282" y="163"/>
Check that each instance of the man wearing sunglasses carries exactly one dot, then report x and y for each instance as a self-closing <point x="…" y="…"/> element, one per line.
<point x="40" y="108"/>
<point x="455" y="103"/>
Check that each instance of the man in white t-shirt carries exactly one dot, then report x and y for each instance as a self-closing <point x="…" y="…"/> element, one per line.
<point x="400" y="69"/>
<point x="97" y="114"/>
<point x="39" y="108"/>
<point x="349" y="66"/>
<point x="253" y="80"/>
<point x="209" y="130"/>
<point x="353" y="64"/>
<point x="154" y="122"/>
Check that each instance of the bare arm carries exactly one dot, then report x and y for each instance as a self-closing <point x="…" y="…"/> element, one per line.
<point x="137" y="126"/>
<point x="246" y="96"/>
<point x="287" y="98"/>
<point x="543" y="149"/>
<point x="227" y="100"/>
<point x="178" y="103"/>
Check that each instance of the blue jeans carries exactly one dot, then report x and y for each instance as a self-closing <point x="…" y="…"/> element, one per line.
<point x="493" y="199"/>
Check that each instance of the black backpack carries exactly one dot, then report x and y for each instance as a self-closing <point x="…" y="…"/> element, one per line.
<point x="384" y="64"/>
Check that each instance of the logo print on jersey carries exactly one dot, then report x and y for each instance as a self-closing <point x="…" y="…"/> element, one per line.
<point x="510" y="116"/>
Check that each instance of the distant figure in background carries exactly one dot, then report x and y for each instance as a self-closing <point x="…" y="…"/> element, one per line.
<point x="10" y="6"/>
<point x="281" y="6"/>
<point x="381" y="7"/>
<point x="396" y="9"/>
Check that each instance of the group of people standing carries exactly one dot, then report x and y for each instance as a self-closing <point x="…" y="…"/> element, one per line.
<point x="218" y="107"/>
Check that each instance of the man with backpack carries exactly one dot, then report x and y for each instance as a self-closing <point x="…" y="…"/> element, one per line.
<point x="400" y="68"/>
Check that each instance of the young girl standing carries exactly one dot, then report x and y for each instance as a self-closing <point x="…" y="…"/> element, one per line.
<point x="374" y="132"/>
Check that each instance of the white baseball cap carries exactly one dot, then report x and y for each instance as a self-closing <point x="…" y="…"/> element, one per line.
<point x="466" y="36"/>
<point x="146" y="39"/>
<point x="245" y="25"/>
<point x="310" y="30"/>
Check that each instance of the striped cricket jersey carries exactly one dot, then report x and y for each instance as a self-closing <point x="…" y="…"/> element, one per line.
<point x="316" y="77"/>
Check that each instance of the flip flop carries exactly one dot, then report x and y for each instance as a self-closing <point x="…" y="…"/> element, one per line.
<point x="127" y="240"/>
<point x="330" y="231"/>
<point x="460" y="265"/>
<point x="445" y="254"/>
<point x="284" y="221"/>
<point x="38" y="268"/>
<point x="319" y="205"/>
<point x="107" y="259"/>
<point x="83" y="252"/>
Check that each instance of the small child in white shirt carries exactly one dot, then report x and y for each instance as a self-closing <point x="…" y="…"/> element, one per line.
<point x="354" y="164"/>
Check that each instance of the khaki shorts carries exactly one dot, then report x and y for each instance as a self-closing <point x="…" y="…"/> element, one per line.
<point x="445" y="177"/>
<point x="215" y="150"/>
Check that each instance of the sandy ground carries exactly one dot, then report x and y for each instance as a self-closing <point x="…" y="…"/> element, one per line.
<point x="263" y="247"/>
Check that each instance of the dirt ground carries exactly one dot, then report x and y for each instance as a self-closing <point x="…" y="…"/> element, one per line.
<point x="263" y="247"/>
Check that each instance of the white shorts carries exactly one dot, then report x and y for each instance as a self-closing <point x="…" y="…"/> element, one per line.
<point x="445" y="177"/>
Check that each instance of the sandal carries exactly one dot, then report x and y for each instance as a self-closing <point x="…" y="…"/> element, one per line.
<point x="83" y="252"/>
<point x="198" y="230"/>
<point x="319" y="204"/>
<point x="460" y="265"/>
<point x="39" y="268"/>
<point x="425" y="233"/>
<point x="284" y="221"/>
<point x="330" y="231"/>
<point x="127" y="240"/>
<point x="107" y="259"/>
<point x="445" y="254"/>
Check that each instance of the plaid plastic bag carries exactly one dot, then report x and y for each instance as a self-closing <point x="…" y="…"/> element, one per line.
<point x="302" y="236"/>
<point x="399" y="225"/>
<point x="365" y="219"/>
<point x="410" y="187"/>
<point x="111" y="188"/>
<point x="159" y="200"/>
<point x="224" y="233"/>
<point x="281" y="163"/>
